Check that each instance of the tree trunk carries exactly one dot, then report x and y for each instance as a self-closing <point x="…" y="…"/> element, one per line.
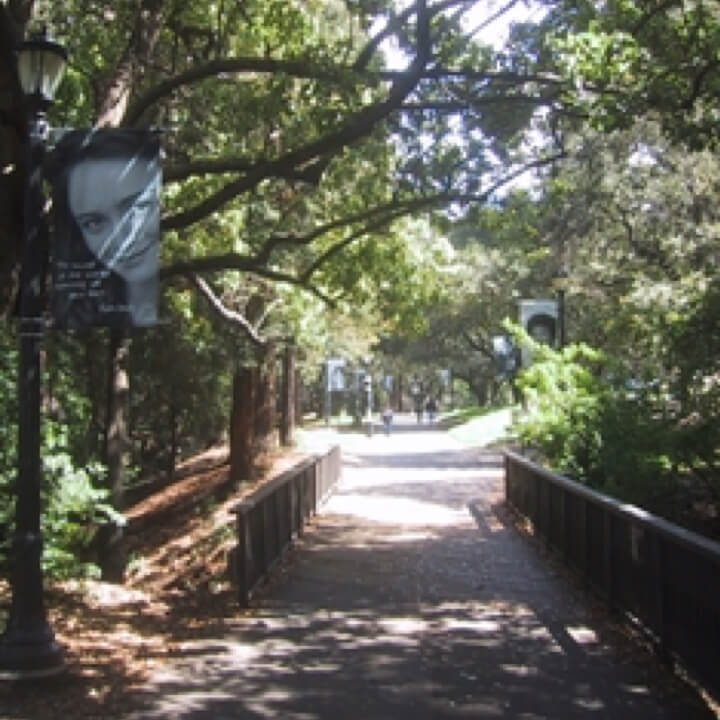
<point x="96" y="376"/>
<point x="113" y="555"/>
<point x="172" y="456"/>
<point x="265" y="412"/>
<point x="481" y="393"/>
<point x="287" y="422"/>
<point x="242" y="426"/>
<point x="298" y="397"/>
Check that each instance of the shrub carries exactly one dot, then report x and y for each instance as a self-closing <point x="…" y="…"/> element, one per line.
<point x="72" y="502"/>
<point x="588" y="421"/>
<point x="75" y="505"/>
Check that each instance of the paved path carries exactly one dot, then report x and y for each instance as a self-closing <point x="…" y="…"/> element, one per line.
<point x="412" y="598"/>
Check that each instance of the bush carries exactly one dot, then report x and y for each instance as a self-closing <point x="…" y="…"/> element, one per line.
<point x="75" y="505"/>
<point x="72" y="503"/>
<point x="586" y="422"/>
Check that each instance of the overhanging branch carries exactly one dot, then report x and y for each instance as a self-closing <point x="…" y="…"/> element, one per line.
<point x="232" y="317"/>
<point x="241" y="65"/>
<point x="374" y="219"/>
<point x="357" y="127"/>
<point x="239" y="263"/>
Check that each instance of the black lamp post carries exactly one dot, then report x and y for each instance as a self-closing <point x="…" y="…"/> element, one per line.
<point x="27" y="647"/>
<point x="367" y="385"/>
<point x="560" y="284"/>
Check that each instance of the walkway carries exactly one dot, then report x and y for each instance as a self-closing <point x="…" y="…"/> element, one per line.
<point x="413" y="598"/>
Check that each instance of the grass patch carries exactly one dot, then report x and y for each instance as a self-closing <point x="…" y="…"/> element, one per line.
<point x="480" y="427"/>
<point x="460" y="416"/>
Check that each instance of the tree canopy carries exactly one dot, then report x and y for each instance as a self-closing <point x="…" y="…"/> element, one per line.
<point x="349" y="175"/>
<point x="288" y="134"/>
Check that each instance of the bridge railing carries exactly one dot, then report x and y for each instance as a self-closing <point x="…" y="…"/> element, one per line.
<point x="269" y="519"/>
<point x="661" y="575"/>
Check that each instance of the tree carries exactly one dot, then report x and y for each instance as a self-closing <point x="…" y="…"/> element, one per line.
<point x="306" y="151"/>
<point x="495" y="256"/>
<point x="635" y="221"/>
<point x="647" y="59"/>
<point x="292" y="148"/>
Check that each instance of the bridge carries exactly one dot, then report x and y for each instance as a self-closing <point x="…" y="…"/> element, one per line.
<point x="415" y="593"/>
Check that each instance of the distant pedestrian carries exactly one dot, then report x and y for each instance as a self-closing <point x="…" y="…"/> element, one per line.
<point x="431" y="409"/>
<point x="387" y="417"/>
<point x="419" y="410"/>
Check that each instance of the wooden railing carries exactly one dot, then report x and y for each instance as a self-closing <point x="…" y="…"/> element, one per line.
<point x="272" y="516"/>
<point x="661" y="575"/>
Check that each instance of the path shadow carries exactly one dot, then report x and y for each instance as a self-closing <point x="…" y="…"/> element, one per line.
<point x="325" y="644"/>
<point x="428" y="616"/>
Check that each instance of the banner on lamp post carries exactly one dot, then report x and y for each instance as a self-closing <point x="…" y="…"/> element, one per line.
<point x="106" y="209"/>
<point x="336" y="374"/>
<point x="539" y="318"/>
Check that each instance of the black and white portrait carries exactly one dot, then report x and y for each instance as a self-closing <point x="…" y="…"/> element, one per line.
<point x="539" y="318"/>
<point x="541" y="327"/>
<point x="106" y="199"/>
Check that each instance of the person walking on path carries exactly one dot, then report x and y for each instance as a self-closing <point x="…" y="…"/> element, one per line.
<point x="387" y="418"/>
<point x="419" y="409"/>
<point x="431" y="409"/>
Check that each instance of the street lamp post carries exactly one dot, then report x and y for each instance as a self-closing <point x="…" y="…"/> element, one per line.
<point x="367" y="382"/>
<point x="415" y="393"/>
<point x="560" y="283"/>
<point x="27" y="646"/>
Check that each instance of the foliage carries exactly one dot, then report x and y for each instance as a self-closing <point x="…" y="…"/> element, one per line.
<point x="289" y="137"/>
<point x="492" y="258"/>
<point x="181" y="375"/>
<point x="72" y="494"/>
<point x="695" y="348"/>
<point x="590" y="421"/>
<point x="75" y="506"/>
<point x="642" y="59"/>
<point x="358" y="206"/>
<point x="8" y="428"/>
<point x="74" y="391"/>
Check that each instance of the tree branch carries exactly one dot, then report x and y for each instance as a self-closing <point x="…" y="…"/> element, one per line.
<point x="453" y="107"/>
<point x="480" y="346"/>
<point x="219" y="166"/>
<point x="341" y="245"/>
<point x="498" y="76"/>
<point x="240" y="263"/>
<point x="377" y="218"/>
<point x="229" y="316"/>
<point x="392" y="27"/>
<point x="381" y="216"/>
<point x="242" y="65"/>
<point x="140" y="46"/>
<point x="697" y="85"/>
<point x="357" y="127"/>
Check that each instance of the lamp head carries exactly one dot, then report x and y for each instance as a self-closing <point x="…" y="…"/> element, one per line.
<point x="41" y="65"/>
<point x="561" y="280"/>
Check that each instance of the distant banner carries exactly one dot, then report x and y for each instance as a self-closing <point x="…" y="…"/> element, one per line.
<point x="106" y="200"/>
<point x="539" y="318"/>
<point x="336" y="374"/>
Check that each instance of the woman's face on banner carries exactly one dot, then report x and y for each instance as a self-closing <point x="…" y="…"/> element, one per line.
<point x="115" y="202"/>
